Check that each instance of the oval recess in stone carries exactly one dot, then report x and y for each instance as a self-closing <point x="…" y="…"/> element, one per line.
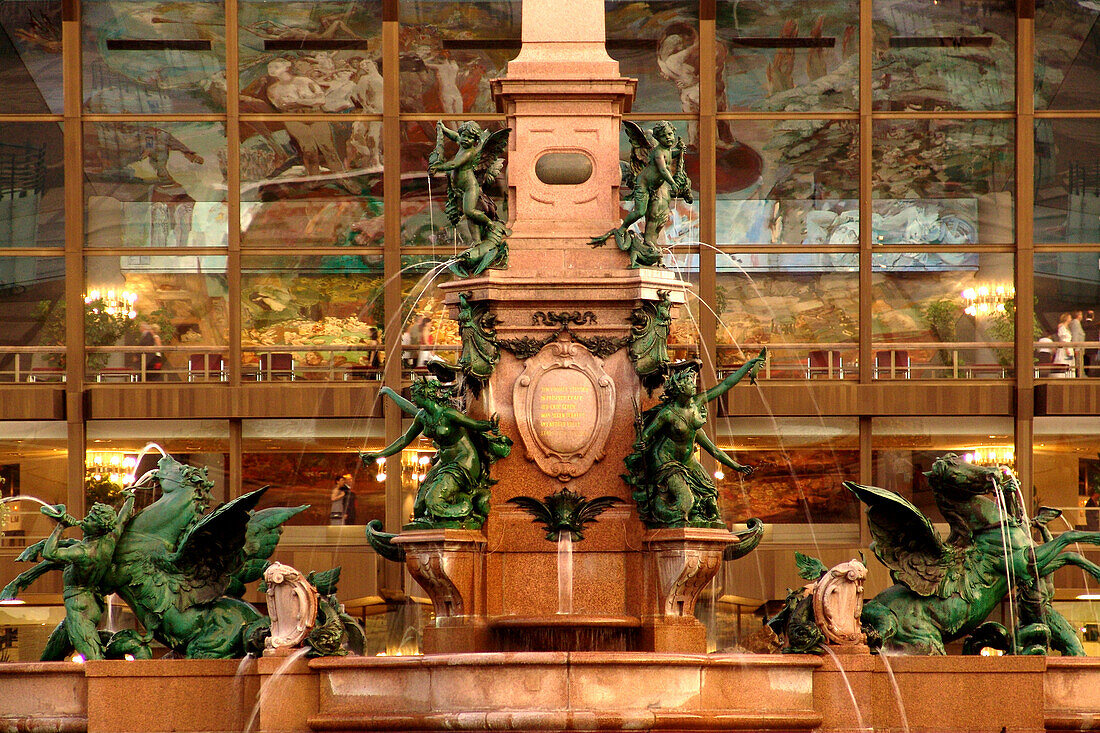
<point x="563" y="169"/>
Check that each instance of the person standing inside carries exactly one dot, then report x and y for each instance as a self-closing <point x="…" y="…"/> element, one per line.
<point x="1077" y="334"/>
<point x="342" y="511"/>
<point x="1064" y="355"/>
<point x="1092" y="511"/>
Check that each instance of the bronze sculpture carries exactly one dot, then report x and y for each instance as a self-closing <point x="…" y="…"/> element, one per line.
<point x="657" y="175"/>
<point x="478" y="162"/>
<point x="671" y="487"/>
<point x="455" y="490"/>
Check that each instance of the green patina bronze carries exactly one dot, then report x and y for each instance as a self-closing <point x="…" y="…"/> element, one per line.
<point x="670" y="486"/>
<point x="480" y="353"/>
<point x="180" y="568"/>
<point x="477" y="164"/>
<point x="945" y="589"/>
<point x="564" y="511"/>
<point x="650" y="324"/>
<point x="795" y="624"/>
<point x="335" y="633"/>
<point x="656" y="174"/>
<point x="455" y="490"/>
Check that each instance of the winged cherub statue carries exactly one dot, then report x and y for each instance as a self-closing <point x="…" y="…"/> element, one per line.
<point x="478" y="162"/>
<point x="656" y="174"/>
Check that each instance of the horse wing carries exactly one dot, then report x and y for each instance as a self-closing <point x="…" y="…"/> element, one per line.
<point x="906" y="542"/>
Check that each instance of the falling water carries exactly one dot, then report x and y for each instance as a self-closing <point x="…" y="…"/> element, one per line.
<point x="111" y="613"/>
<point x="268" y="689"/>
<point x="1084" y="573"/>
<point x="897" y="691"/>
<point x="851" y="692"/>
<point x="1002" y="510"/>
<point x="24" y="497"/>
<point x="565" y="572"/>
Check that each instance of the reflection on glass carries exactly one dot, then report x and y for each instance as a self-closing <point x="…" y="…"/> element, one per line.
<point x="153" y="301"/>
<point x="423" y="198"/>
<point x="427" y="329"/>
<point x="788" y="55"/>
<point x="1066" y="469"/>
<point x="316" y="317"/>
<point x="32" y="186"/>
<point x="949" y="54"/>
<point x="155" y="184"/>
<point x="943" y="182"/>
<point x="1067" y="300"/>
<point x="791" y="182"/>
<point x="1067" y="181"/>
<point x="799" y="466"/>
<point x="903" y="448"/>
<point x="657" y="43"/>
<point x="30" y="56"/>
<point x="450" y="50"/>
<point x="199" y="443"/>
<point x="33" y="462"/>
<point x="311" y="56"/>
<point x="151" y="57"/>
<point x="32" y="306"/>
<point x="1067" y="55"/>
<point x="928" y="300"/>
<point x="803" y="307"/>
<point x="321" y="181"/>
<point x="303" y="460"/>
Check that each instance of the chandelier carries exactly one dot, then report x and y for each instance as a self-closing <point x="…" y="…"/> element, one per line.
<point x="115" y="468"/>
<point x="414" y="465"/>
<point x="112" y="302"/>
<point x="1004" y="455"/>
<point x="986" y="299"/>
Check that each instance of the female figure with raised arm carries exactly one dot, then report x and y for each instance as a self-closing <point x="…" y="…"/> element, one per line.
<point x="455" y="490"/>
<point x="671" y="487"/>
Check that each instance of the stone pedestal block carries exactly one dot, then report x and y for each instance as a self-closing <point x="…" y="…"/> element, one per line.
<point x="449" y="564"/>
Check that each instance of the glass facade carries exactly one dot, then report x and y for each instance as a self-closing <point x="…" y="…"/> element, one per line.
<point x="874" y="220"/>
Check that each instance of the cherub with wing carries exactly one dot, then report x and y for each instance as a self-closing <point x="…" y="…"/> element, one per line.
<point x="478" y="162"/>
<point x="455" y="490"/>
<point x="657" y="174"/>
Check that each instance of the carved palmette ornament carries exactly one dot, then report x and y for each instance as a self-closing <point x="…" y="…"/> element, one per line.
<point x="564" y="403"/>
<point x="292" y="605"/>
<point x="838" y="604"/>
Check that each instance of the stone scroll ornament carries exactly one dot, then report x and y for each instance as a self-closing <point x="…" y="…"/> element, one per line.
<point x="477" y="164"/>
<point x="671" y="487"/>
<point x="180" y="565"/>
<point x="480" y="352"/>
<point x="564" y="511"/>
<point x="945" y="589"/>
<point x="650" y="325"/>
<point x="825" y="612"/>
<point x="455" y="490"/>
<point x="292" y="605"/>
<point x="656" y="174"/>
<point x="564" y="403"/>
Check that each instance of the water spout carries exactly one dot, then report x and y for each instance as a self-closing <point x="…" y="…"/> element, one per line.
<point x="897" y="691"/>
<point x="565" y="571"/>
<point x="22" y="497"/>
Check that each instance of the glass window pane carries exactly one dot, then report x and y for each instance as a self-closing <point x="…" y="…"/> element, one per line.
<point x="943" y="314"/>
<point x="792" y="182"/>
<point x="1067" y="181"/>
<point x="787" y="55"/>
<point x="1066" y="470"/>
<point x="32" y="185"/>
<point x="449" y="50"/>
<point x="423" y="198"/>
<point x="30" y="56"/>
<point x="657" y="43"/>
<point x="903" y="448"/>
<point x="311" y="184"/>
<point x="32" y="308"/>
<point x="32" y="463"/>
<point x="799" y="466"/>
<point x="427" y="330"/>
<point x="1067" y="298"/>
<point x="311" y="56"/>
<point x="1067" y="55"/>
<point x="943" y="182"/>
<point x="301" y="460"/>
<point x="949" y="54"/>
<point x="155" y="184"/>
<point x="149" y="57"/>
<point x="199" y="443"/>
<point x="312" y="317"/>
<point x="803" y="307"/>
<point x="147" y="317"/>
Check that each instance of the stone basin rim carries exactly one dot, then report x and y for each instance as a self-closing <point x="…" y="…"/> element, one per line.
<point x="640" y="659"/>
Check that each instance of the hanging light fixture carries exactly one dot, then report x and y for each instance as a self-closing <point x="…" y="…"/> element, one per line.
<point x="986" y="299"/>
<point x="1003" y="455"/>
<point x="118" y="468"/>
<point x="112" y="302"/>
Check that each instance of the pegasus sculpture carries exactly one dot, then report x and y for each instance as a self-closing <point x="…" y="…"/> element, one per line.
<point x="945" y="589"/>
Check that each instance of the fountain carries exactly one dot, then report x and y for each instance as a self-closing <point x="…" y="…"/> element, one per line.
<point x="574" y="611"/>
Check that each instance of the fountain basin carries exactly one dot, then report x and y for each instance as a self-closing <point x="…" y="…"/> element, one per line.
<point x="566" y="633"/>
<point x="563" y="691"/>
